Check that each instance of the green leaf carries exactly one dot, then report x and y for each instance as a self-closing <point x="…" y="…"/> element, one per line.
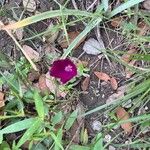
<point x="57" y="118"/>
<point x="78" y="147"/>
<point x="145" y="57"/>
<point x="98" y="145"/>
<point x="16" y="127"/>
<point x="59" y="137"/>
<point x="27" y="135"/>
<point x="5" y="146"/>
<point x="71" y="120"/>
<point x="57" y="141"/>
<point x="39" y="104"/>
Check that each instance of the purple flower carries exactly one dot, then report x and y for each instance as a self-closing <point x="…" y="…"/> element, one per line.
<point x="64" y="69"/>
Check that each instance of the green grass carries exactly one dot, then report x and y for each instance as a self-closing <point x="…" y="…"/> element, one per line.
<point x="39" y="126"/>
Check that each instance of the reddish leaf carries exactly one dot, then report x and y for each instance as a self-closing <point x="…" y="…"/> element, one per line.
<point x="85" y="83"/>
<point x="122" y="114"/>
<point x="114" y="83"/>
<point x="102" y="76"/>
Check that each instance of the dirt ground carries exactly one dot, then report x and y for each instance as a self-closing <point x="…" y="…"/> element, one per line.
<point x="97" y="92"/>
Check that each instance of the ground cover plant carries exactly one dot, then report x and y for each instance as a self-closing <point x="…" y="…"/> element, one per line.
<point x="74" y="74"/>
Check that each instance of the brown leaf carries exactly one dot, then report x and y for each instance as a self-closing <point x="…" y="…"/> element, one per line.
<point x="2" y="103"/>
<point x="143" y="28"/>
<point x="34" y="55"/>
<point x="122" y="114"/>
<point x="85" y="84"/>
<point x="115" y="96"/>
<point x="50" y="83"/>
<point x="71" y="35"/>
<point x="42" y="84"/>
<point x="128" y="72"/>
<point x="127" y="57"/>
<point x="33" y="76"/>
<point x="102" y="76"/>
<point x="116" y="22"/>
<point x="19" y="33"/>
<point x="114" y="83"/>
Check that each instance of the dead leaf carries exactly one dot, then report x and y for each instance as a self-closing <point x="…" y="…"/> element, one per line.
<point x="102" y="76"/>
<point x="122" y="114"/>
<point x="129" y="72"/>
<point x="71" y="35"/>
<point x="52" y="34"/>
<point x="42" y="84"/>
<point x="116" y="22"/>
<point x="146" y="4"/>
<point x="127" y="56"/>
<point x="34" y="55"/>
<point x="119" y="94"/>
<point x="19" y="33"/>
<point x="29" y="5"/>
<point x="114" y="83"/>
<point x="50" y="83"/>
<point x="2" y="103"/>
<point x="93" y="46"/>
<point x="79" y="62"/>
<point x="143" y="28"/>
<point x="85" y="84"/>
<point x="33" y="75"/>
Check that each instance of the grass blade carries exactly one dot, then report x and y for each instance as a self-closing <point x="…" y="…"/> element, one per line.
<point x="71" y="120"/>
<point x="46" y="15"/>
<point x="124" y="6"/>
<point x="39" y="104"/>
<point x="105" y="4"/>
<point x="16" y="127"/>
<point x="88" y="28"/>
<point x="34" y="127"/>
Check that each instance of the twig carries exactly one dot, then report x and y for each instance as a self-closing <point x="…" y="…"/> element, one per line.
<point x="24" y="52"/>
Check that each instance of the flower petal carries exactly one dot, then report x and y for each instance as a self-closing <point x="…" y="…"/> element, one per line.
<point x="64" y="69"/>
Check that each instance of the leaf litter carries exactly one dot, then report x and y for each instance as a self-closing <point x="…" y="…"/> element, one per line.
<point x="91" y="46"/>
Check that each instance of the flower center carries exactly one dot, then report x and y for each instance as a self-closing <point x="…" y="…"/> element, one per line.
<point x="68" y="68"/>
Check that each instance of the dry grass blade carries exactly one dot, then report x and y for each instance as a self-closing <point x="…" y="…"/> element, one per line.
<point x="2" y="103"/>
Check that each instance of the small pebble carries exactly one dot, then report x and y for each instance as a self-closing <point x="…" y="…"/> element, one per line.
<point x="111" y="148"/>
<point x="96" y="125"/>
<point x="107" y="138"/>
<point x="146" y="108"/>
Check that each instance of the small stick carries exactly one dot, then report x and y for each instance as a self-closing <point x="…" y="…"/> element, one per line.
<point x="23" y="51"/>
